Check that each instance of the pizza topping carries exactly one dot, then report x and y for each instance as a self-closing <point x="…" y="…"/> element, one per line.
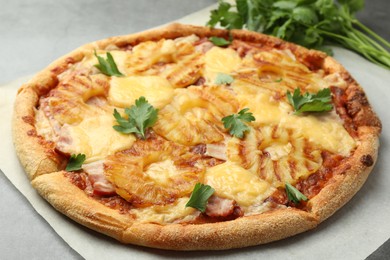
<point x="188" y="145"/>
<point x="231" y="181"/>
<point x="154" y="172"/>
<point x="219" y="207"/>
<point x="141" y="116"/>
<point x="216" y="151"/>
<point x="223" y="79"/>
<point x="235" y="123"/>
<point x="220" y="60"/>
<point x="200" y="196"/>
<point x="108" y="66"/>
<point x="75" y="162"/>
<point x="218" y="41"/>
<point x="320" y="102"/>
<point x="293" y="194"/>
<point x="194" y="115"/>
<point x="125" y="90"/>
<point x="86" y="138"/>
<point x="101" y="186"/>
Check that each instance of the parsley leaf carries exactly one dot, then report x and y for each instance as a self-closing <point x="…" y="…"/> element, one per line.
<point x="200" y="196"/>
<point x="223" y="79"/>
<point x="140" y="116"/>
<point x="218" y="41"/>
<point x="75" y="162"/>
<point x="235" y="123"/>
<point x="320" y="102"/>
<point x="293" y="194"/>
<point x="311" y="23"/>
<point x="108" y="66"/>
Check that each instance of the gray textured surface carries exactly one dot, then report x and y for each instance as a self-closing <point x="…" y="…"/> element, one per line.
<point x="35" y="32"/>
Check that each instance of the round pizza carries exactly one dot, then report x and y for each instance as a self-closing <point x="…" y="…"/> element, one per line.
<point x="192" y="138"/>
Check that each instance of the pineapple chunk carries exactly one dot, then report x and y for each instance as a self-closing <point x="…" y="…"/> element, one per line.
<point x="195" y="114"/>
<point x="152" y="172"/>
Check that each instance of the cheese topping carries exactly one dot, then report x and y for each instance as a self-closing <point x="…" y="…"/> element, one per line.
<point x="176" y="212"/>
<point x="125" y="90"/>
<point x="325" y="130"/>
<point x="93" y="137"/>
<point x="220" y="60"/>
<point x="234" y="182"/>
<point x="178" y="79"/>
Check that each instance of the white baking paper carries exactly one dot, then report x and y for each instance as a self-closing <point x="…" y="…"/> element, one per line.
<point x="354" y="232"/>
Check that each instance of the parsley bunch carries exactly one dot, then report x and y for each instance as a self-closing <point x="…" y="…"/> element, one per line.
<point x="311" y="23"/>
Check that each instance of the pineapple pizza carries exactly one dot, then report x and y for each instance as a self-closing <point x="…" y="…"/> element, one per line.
<point x="192" y="138"/>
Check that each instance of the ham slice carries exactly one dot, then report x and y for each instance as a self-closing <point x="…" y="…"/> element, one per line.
<point x="216" y="151"/>
<point x="100" y="184"/>
<point x="220" y="207"/>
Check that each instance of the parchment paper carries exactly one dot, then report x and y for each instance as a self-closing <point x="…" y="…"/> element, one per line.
<point x="354" y="232"/>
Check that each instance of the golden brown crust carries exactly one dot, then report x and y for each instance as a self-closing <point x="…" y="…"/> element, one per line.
<point x="242" y="232"/>
<point x="73" y="202"/>
<point x="36" y="155"/>
<point x="245" y="231"/>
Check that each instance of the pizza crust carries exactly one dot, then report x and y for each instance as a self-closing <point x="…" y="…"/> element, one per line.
<point x="73" y="202"/>
<point x="43" y="165"/>
<point x="252" y="230"/>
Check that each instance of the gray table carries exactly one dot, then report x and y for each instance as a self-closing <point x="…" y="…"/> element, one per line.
<point x="35" y="32"/>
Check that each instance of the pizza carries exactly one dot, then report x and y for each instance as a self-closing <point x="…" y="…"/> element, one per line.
<point x="192" y="138"/>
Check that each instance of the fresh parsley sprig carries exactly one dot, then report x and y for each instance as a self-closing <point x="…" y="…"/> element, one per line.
<point x="218" y="41"/>
<point x="320" y="102"/>
<point x="293" y="194"/>
<point x="108" y="66"/>
<point x="141" y="116"/>
<point x="200" y="196"/>
<point x="236" y="122"/>
<point x="311" y="23"/>
<point x="75" y="162"/>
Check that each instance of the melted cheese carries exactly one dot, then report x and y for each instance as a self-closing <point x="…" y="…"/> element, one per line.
<point x="220" y="60"/>
<point x="166" y="213"/>
<point x="96" y="138"/>
<point x="233" y="182"/>
<point x="325" y="131"/>
<point x="125" y="90"/>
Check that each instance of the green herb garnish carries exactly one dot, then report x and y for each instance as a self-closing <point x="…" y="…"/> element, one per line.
<point x="320" y="102"/>
<point x="218" y="41"/>
<point x="200" y="196"/>
<point x="236" y="122"/>
<point x="293" y="194"/>
<point x="311" y="23"/>
<point x="108" y="66"/>
<point x="140" y="116"/>
<point x="75" y="162"/>
<point x="222" y="79"/>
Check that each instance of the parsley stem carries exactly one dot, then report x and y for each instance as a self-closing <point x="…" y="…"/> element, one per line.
<point x="381" y="58"/>
<point x="373" y="34"/>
